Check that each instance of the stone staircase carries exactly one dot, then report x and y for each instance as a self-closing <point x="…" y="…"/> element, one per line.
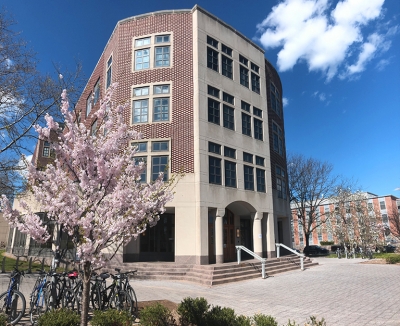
<point x="214" y="274"/>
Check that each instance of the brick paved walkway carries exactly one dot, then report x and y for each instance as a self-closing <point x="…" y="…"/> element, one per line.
<point x="342" y="291"/>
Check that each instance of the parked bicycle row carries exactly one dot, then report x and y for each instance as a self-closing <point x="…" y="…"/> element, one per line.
<point x="64" y="290"/>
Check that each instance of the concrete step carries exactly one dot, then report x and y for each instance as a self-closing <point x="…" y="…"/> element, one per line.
<point x="214" y="274"/>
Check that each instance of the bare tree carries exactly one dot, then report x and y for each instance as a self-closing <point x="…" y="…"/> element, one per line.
<point x="26" y="96"/>
<point x="311" y="183"/>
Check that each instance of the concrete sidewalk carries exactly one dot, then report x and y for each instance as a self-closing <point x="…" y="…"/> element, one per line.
<point x="343" y="291"/>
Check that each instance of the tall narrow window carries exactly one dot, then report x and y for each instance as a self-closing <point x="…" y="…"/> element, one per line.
<point x="89" y="104"/>
<point x="140" y="111"/>
<point x="244" y="76"/>
<point x="258" y="129"/>
<point x="246" y="124"/>
<point x="162" y="56"/>
<point x="248" y="177"/>
<point x="230" y="174"/>
<point x="46" y="149"/>
<point x="93" y="128"/>
<point x="227" y="66"/>
<point x="141" y="161"/>
<point x="260" y="176"/>
<point x="212" y="59"/>
<point x="214" y="170"/>
<point x="96" y="95"/>
<point x="142" y="59"/>
<point x="277" y="136"/>
<point x="213" y="111"/>
<point x="159" y="164"/>
<point x="229" y="118"/>
<point x="161" y="109"/>
<point x="255" y="83"/>
<point x="109" y="72"/>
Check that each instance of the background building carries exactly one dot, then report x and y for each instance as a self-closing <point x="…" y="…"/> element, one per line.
<point x="382" y="208"/>
<point x="209" y="104"/>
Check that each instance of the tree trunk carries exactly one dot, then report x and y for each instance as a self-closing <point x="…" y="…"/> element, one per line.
<point x="306" y="236"/>
<point x="85" y="294"/>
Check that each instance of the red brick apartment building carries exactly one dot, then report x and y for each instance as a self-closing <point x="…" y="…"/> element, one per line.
<point x="207" y="102"/>
<point x="383" y="207"/>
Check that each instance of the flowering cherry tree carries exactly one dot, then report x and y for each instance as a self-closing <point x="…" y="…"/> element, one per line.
<point x="93" y="189"/>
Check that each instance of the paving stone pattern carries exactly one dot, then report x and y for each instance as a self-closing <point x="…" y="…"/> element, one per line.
<point x="344" y="292"/>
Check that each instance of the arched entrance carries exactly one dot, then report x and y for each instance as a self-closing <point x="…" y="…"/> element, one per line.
<point x="236" y="229"/>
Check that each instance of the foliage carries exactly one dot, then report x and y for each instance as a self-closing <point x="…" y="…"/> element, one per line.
<point x="59" y="317"/>
<point x="242" y="320"/>
<point x="111" y="317"/>
<point x="156" y="315"/>
<point x="354" y="221"/>
<point x="315" y="322"/>
<point x="192" y="311"/>
<point x="3" y="319"/>
<point x="93" y="189"/>
<point x="264" y="320"/>
<point x="326" y="243"/>
<point x="392" y="258"/>
<point x="218" y="316"/>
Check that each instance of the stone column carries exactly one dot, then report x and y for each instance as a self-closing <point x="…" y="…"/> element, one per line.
<point x="219" y="236"/>
<point x="271" y="236"/>
<point x="257" y="233"/>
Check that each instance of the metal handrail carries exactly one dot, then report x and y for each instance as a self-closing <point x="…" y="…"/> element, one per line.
<point x="263" y="260"/>
<point x="278" y="245"/>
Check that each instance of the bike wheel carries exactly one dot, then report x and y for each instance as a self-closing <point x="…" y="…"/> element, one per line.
<point x="70" y="300"/>
<point x="96" y="298"/>
<point x="38" y="305"/>
<point x="132" y="295"/>
<point x="14" y="308"/>
<point x="121" y="301"/>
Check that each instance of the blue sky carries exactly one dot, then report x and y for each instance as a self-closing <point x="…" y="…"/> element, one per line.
<point x="338" y="61"/>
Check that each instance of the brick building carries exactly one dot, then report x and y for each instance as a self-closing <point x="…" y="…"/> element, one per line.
<point x="382" y="207"/>
<point x="209" y="104"/>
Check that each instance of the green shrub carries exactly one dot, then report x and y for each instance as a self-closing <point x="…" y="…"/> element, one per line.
<point x="326" y="243"/>
<point x="193" y="311"/>
<point x="156" y="315"/>
<point x="59" y="317"/>
<point x="111" y="317"/>
<point x="243" y="321"/>
<point x="315" y="322"/>
<point x="291" y="323"/>
<point x="392" y="258"/>
<point x="3" y="319"/>
<point x="264" y="320"/>
<point x="218" y="316"/>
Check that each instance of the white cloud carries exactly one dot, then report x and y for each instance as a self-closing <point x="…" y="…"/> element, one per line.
<point x="324" y="37"/>
<point x="397" y="189"/>
<point x="285" y="102"/>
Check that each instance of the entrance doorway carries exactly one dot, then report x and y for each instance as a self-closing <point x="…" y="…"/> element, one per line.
<point x="157" y="243"/>
<point x="280" y="232"/>
<point x="211" y="239"/>
<point x="229" y="236"/>
<point x="245" y="237"/>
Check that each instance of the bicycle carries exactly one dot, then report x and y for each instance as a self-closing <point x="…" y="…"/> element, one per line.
<point x="128" y="289"/>
<point x="38" y="296"/>
<point x="103" y="297"/>
<point x="72" y="294"/>
<point x="12" y="301"/>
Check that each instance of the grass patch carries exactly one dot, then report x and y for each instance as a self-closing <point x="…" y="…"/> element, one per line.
<point x="22" y="265"/>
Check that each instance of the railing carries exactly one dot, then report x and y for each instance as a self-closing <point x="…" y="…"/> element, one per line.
<point x="278" y="247"/>
<point x="263" y="260"/>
